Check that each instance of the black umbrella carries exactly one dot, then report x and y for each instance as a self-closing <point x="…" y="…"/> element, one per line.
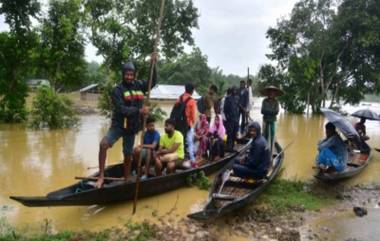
<point x="366" y="114"/>
<point x="341" y="123"/>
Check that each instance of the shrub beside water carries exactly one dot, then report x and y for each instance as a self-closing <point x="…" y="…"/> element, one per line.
<point x="52" y="110"/>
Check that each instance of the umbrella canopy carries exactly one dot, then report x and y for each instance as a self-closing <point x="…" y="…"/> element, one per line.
<point x="341" y="123"/>
<point x="277" y="91"/>
<point x="366" y="114"/>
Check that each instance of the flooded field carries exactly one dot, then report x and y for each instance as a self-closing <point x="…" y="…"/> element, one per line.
<point x="36" y="162"/>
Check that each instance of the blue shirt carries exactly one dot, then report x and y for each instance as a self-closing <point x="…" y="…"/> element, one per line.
<point x="151" y="137"/>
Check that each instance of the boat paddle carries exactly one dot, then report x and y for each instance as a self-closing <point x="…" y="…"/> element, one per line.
<point x="225" y="176"/>
<point x="155" y="46"/>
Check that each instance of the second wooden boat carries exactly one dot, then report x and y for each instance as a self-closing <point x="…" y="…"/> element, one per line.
<point x="228" y="195"/>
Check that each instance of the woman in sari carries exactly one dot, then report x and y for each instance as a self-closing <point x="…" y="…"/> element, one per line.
<point x="217" y="133"/>
<point x="201" y="133"/>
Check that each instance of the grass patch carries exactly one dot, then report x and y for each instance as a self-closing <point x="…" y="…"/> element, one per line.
<point x="284" y="195"/>
<point x="131" y="231"/>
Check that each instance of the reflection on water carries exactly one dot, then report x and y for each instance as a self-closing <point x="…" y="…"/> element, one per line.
<point x="36" y="162"/>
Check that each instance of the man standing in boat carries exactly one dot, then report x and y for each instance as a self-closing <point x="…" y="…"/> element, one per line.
<point x="127" y="114"/>
<point x="231" y="112"/>
<point x="270" y="108"/>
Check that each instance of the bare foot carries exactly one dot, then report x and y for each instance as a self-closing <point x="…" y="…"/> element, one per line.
<point x="100" y="182"/>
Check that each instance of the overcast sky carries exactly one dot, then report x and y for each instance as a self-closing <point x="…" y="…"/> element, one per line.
<point x="231" y="33"/>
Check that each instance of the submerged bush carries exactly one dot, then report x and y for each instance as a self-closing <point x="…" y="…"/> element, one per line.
<point x="52" y="110"/>
<point x="199" y="180"/>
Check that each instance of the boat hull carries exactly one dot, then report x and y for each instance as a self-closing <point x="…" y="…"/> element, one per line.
<point x="210" y="211"/>
<point x="119" y="191"/>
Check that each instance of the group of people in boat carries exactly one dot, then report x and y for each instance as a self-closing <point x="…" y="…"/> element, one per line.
<point x="205" y="137"/>
<point x="183" y="132"/>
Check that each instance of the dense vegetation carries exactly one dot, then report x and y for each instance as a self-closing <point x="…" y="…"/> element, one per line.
<point x="325" y="50"/>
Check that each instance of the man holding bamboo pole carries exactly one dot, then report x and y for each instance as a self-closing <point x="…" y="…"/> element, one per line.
<point x="127" y="115"/>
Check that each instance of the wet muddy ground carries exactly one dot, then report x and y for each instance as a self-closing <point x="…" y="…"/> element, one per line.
<point x="260" y="223"/>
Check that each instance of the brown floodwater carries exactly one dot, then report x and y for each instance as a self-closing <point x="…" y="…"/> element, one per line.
<point x="34" y="162"/>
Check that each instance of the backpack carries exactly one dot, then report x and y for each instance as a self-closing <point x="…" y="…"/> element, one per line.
<point x="201" y="105"/>
<point x="178" y="115"/>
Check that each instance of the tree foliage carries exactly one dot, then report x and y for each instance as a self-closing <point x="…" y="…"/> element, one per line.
<point x="18" y="14"/>
<point x="320" y="52"/>
<point x="16" y="63"/>
<point x="122" y="29"/>
<point x="358" y="25"/>
<point x="17" y="55"/>
<point x="188" y="68"/>
<point x="62" y="45"/>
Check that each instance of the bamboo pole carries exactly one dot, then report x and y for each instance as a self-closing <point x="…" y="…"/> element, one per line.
<point x="155" y="46"/>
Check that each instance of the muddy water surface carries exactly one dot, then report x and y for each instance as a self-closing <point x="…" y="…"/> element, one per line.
<point x="36" y="162"/>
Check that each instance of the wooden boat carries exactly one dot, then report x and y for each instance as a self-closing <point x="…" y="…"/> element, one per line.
<point x="114" y="190"/>
<point x="358" y="160"/>
<point x="227" y="195"/>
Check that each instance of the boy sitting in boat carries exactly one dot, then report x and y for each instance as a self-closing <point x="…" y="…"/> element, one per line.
<point x="333" y="152"/>
<point x="150" y="145"/>
<point x="171" y="151"/>
<point x="258" y="161"/>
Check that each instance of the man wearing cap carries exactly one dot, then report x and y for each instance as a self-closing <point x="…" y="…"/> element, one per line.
<point x="258" y="161"/>
<point x="127" y="114"/>
<point x="270" y="108"/>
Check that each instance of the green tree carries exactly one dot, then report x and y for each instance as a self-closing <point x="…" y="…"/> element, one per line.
<point x="62" y="45"/>
<point x="292" y="101"/>
<point x="17" y="54"/>
<point x="327" y="52"/>
<point x="187" y="68"/>
<point x="122" y="29"/>
<point x="18" y="14"/>
<point x="306" y="49"/>
<point x="15" y="65"/>
<point x="357" y="25"/>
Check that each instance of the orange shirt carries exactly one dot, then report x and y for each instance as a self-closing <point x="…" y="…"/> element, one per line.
<point x="191" y="109"/>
